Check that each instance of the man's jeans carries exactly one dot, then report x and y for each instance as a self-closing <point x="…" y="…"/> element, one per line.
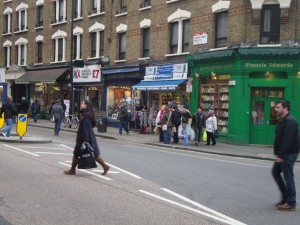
<point x="9" y="124"/>
<point x="167" y="136"/>
<point x="123" y="124"/>
<point x="198" y="131"/>
<point x="57" y="126"/>
<point x="287" y="183"/>
<point x="34" y="115"/>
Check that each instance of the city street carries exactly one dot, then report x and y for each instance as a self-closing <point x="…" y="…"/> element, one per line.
<point x="146" y="185"/>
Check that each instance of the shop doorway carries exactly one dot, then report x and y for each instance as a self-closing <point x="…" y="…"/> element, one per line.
<point x="263" y="115"/>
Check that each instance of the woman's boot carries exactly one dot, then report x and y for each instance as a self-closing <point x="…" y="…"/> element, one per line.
<point x="72" y="171"/>
<point x="103" y="164"/>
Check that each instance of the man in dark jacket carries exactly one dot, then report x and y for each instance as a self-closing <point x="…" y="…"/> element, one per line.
<point x="123" y="117"/>
<point x="35" y="109"/>
<point x="24" y="105"/>
<point x="9" y="111"/>
<point x="198" y="123"/>
<point x="57" y="113"/>
<point x="176" y="120"/>
<point x="286" y="150"/>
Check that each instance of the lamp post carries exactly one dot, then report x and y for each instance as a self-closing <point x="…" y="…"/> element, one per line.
<point x="71" y="61"/>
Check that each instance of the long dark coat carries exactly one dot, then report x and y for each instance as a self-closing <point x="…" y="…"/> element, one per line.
<point x="86" y="133"/>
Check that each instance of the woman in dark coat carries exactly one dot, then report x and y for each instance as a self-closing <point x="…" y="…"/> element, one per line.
<point x="85" y="134"/>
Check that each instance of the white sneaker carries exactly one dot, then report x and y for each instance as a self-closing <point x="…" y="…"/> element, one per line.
<point x="3" y="134"/>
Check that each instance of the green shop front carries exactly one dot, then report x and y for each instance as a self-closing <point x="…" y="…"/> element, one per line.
<point x="242" y="86"/>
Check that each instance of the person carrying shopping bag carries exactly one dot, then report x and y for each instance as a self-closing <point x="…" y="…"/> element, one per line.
<point x="186" y="127"/>
<point x="158" y="123"/>
<point x="167" y="125"/>
<point x="198" y="123"/>
<point x="85" y="135"/>
<point x="211" y="127"/>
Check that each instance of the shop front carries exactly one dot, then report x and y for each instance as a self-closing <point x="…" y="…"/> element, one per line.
<point x="165" y="85"/>
<point x="3" y="87"/>
<point x="46" y="85"/>
<point x="243" y="86"/>
<point x="87" y="85"/>
<point x="117" y="88"/>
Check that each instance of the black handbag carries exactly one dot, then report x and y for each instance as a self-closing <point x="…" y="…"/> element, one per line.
<point x="86" y="159"/>
<point x="216" y="134"/>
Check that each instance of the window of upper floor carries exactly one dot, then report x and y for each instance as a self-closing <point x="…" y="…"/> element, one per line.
<point x="146" y="42"/>
<point x="59" y="46"/>
<point x="270" y="24"/>
<point x="21" y="24"/>
<point x="77" y="4"/>
<point x="39" y="52"/>
<point x="39" y="16"/>
<point x="98" y="7"/>
<point x="77" y="42"/>
<point x="145" y="4"/>
<point x="122" y="8"/>
<point x="121" y="54"/>
<point x="221" y="29"/>
<point x="7" y="53"/>
<point x="21" y="49"/>
<point x="179" y="26"/>
<point x="97" y="40"/>
<point x="7" y="21"/>
<point x="60" y="11"/>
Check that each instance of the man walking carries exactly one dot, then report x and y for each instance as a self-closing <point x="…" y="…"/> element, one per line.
<point x="123" y="117"/>
<point x="198" y="123"/>
<point x="35" y="109"/>
<point x="58" y="114"/>
<point x="286" y="150"/>
<point x="9" y="111"/>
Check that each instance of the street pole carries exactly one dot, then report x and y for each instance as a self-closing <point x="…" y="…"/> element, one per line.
<point x="71" y="61"/>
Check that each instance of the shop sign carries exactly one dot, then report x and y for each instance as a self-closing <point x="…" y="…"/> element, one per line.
<point x="2" y="75"/>
<point x="262" y="65"/>
<point x="189" y="85"/>
<point x="123" y="76"/>
<point x="87" y="74"/>
<point x="167" y="72"/>
<point x="200" y="38"/>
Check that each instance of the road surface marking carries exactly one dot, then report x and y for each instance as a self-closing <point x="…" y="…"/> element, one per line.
<point x="187" y="207"/>
<point x="202" y="207"/>
<point x="66" y="146"/>
<point x="124" y="171"/>
<point x="54" y="153"/>
<point x="23" y="146"/>
<point x="97" y="175"/>
<point x="30" y="153"/>
<point x="101" y="171"/>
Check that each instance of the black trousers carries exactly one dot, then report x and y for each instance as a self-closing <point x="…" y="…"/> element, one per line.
<point x="210" y="135"/>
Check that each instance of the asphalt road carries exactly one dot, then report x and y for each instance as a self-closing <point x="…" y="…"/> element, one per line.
<point x="146" y="185"/>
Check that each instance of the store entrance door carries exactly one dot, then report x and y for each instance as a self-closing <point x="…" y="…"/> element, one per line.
<point x="264" y="119"/>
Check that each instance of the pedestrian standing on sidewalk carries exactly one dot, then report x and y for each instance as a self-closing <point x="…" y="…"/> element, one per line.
<point x="9" y="111"/>
<point x="176" y="120"/>
<point x="35" y="109"/>
<point x="158" y="123"/>
<point x="64" y="108"/>
<point x="58" y="114"/>
<point x="123" y="117"/>
<point x="85" y="134"/>
<point x="211" y="127"/>
<point x="198" y="123"/>
<point x="166" y="122"/>
<point x="286" y="150"/>
<point x="186" y="127"/>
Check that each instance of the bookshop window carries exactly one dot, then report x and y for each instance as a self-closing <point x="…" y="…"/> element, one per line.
<point x="116" y="94"/>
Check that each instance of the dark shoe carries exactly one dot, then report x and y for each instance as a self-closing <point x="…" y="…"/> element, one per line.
<point x="207" y="144"/>
<point x="280" y="203"/>
<point x="214" y="143"/>
<point x="286" y="207"/>
<point x="196" y="143"/>
<point x="70" y="172"/>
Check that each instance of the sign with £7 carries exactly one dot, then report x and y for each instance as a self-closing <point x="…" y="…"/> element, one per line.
<point x="87" y="74"/>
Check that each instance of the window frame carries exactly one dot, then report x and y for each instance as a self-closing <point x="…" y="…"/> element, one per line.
<point x="219" y="40"/>
<point x="274" y="25"/>
<point x="146" y="38"/>
<point x="122" y="44"/>
<point x="39" y="52"/>
<point x="39" y="16"/>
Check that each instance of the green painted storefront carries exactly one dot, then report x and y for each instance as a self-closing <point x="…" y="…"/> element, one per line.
<point x="243" y="85"/>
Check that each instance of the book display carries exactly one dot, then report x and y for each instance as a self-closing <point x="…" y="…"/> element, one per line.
<point x="216" y="97"/>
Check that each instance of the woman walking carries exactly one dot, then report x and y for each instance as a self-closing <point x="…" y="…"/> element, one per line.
<point x="211" y="127"/>
<point x="85" y="134"/>
<point x="158" y="123"/>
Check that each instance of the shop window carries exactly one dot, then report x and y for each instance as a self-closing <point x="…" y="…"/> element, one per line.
<point x="39" y="16"/>
<point x="146" y="42"/>
<point x="270" y="24"/>
<point x="221" y="29"/>
<point x="39" y="52"/>
<point x="122" y="46"/>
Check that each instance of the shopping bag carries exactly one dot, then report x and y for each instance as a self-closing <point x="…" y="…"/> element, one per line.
<point x="165" y="127"/>
<point x="86" y="160"/>
<point x="174" y="130"/>
<point x="155" y="130"/>
<point x="204" y="136"/>
<point x="216" y="134"/>
<point x="180" y="133"/>
<point x="192" y="135"/>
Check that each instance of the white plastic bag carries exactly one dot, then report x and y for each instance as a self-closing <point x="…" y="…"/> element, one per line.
<point x="192" y="135"/>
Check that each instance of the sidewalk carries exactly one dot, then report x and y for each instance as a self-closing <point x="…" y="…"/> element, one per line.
<point x="255" y="152"/>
